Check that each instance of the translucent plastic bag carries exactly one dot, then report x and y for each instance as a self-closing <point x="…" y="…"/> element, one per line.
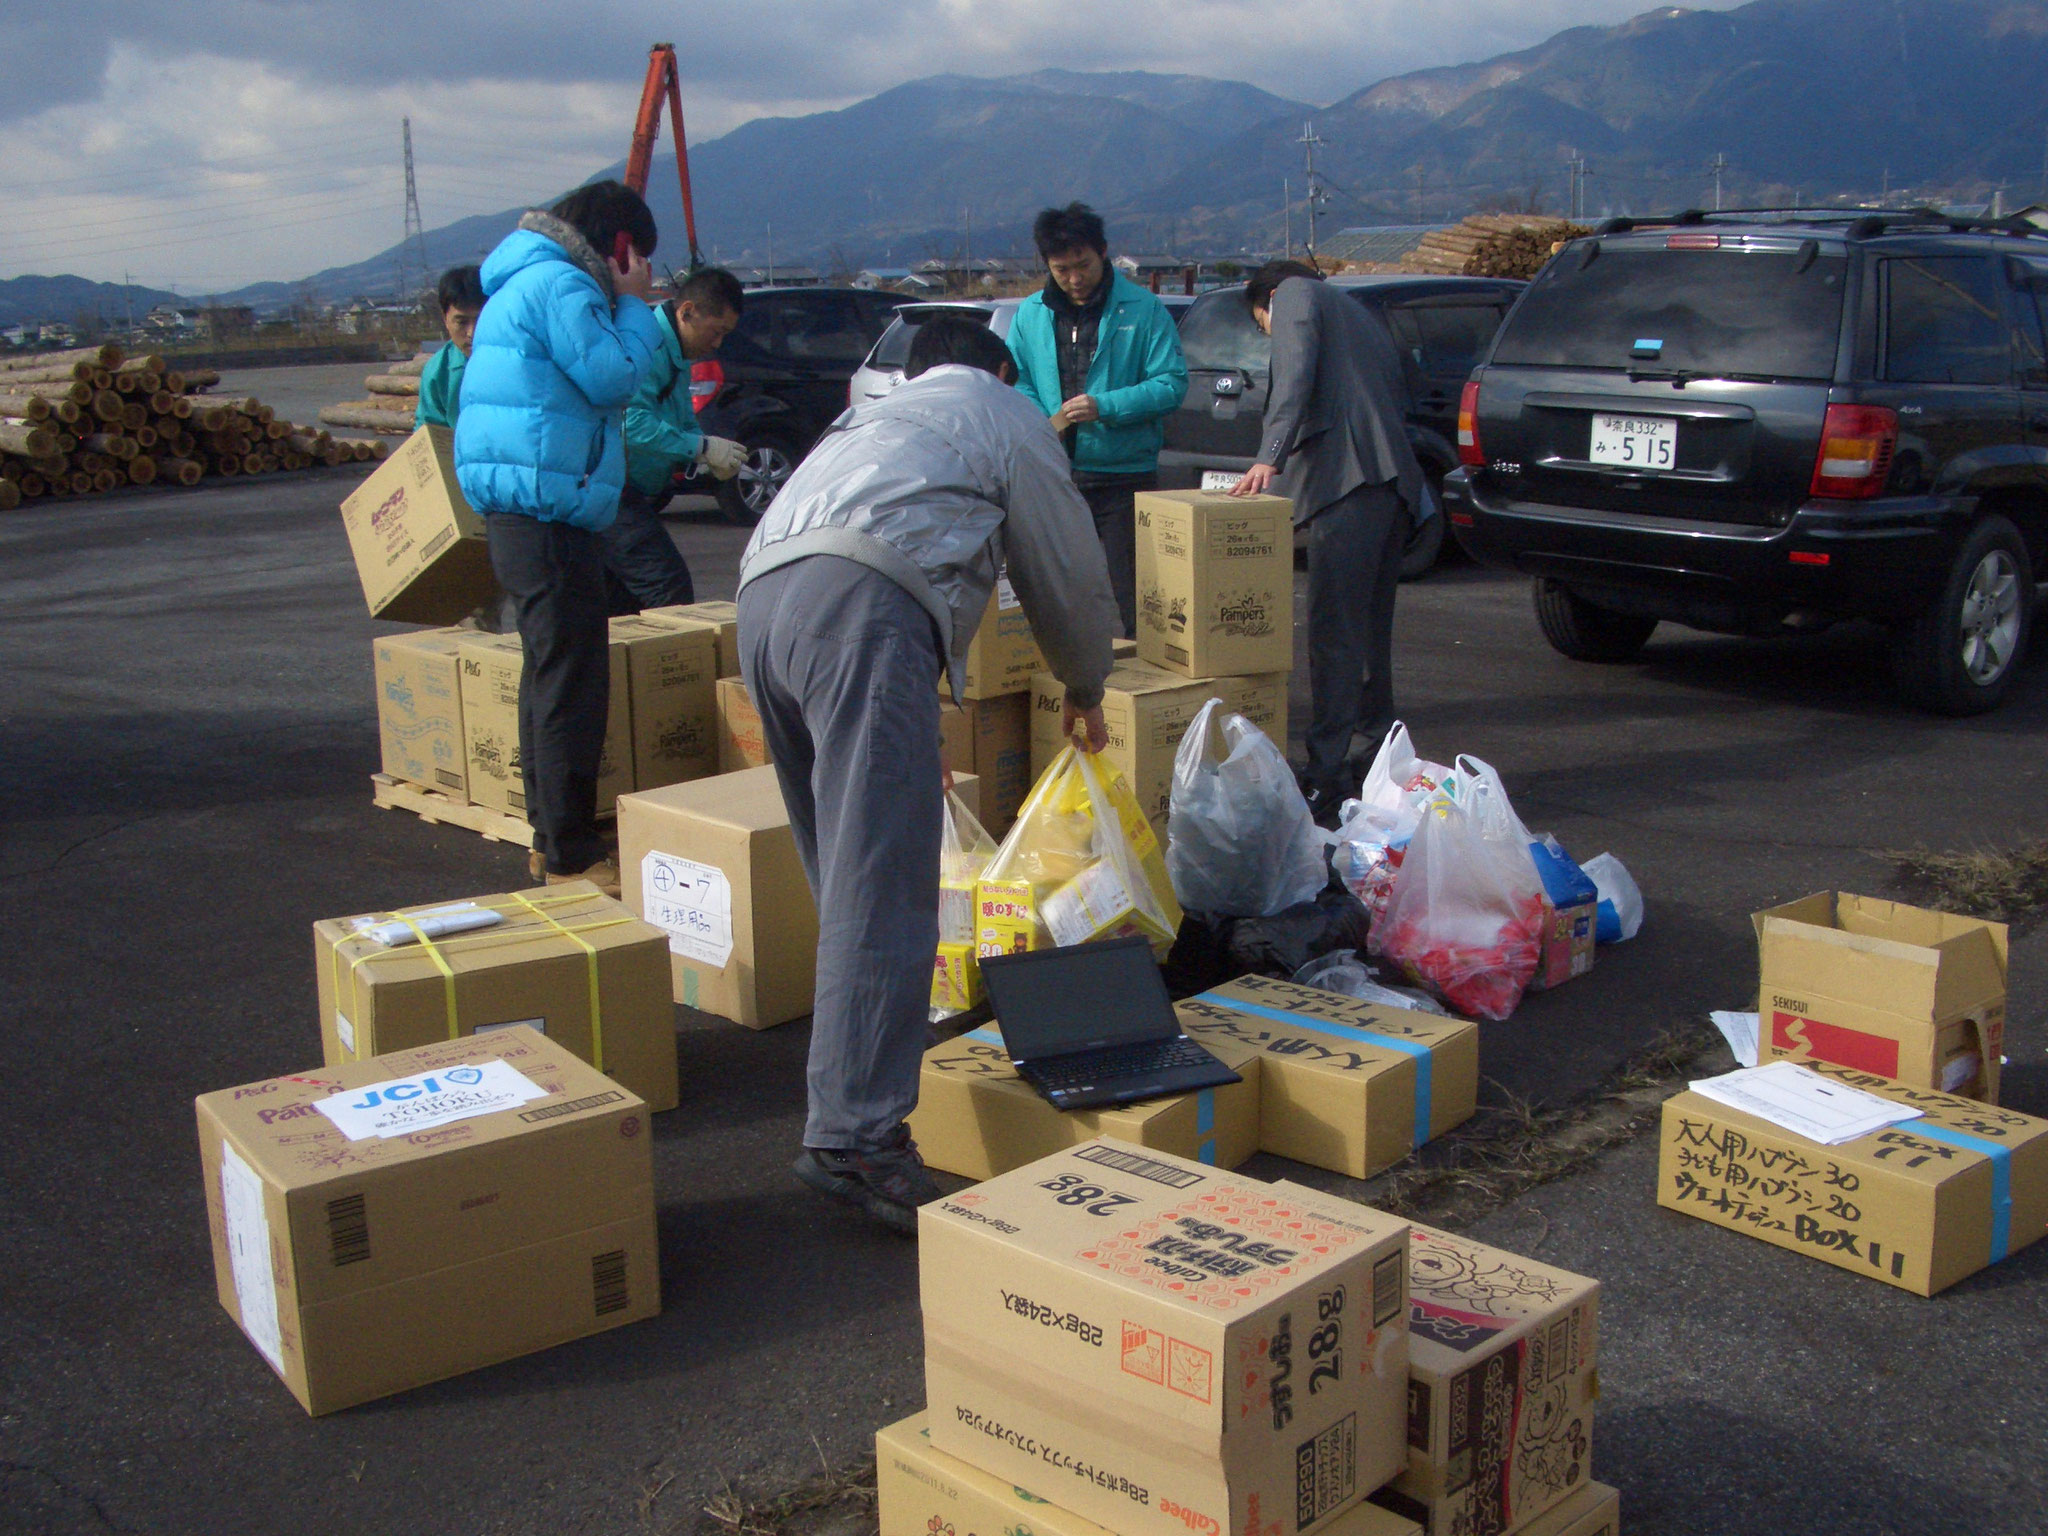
<point x="1465" y="916"/>
<point x="1343" y="972"/>
<point x="1240" y="841"/>
<point x="964" y="851"/>
<point x="1374" y="829"/>
<point x="1081" y="863"/>
<point x="1621" y="899"/>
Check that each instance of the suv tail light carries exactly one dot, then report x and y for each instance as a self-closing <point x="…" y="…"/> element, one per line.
<point x="706" y="380"/>
<point x="1856" y="443"/>
<point x="1469" y="451"/>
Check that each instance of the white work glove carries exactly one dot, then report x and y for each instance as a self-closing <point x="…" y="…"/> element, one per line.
<point x="722" y="456"/>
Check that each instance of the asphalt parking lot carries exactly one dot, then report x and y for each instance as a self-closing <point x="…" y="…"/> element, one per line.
<point x="186" y="731"/>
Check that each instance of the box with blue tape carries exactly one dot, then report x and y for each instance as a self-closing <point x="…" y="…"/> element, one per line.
<point x="1348" y="1086"/>
<point x="1920" y="1204"/>
<point x="976" y="1117"/>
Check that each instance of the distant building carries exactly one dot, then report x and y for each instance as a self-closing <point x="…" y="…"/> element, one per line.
<point x="777" y="276"/>
<point x="1162" y="274"/>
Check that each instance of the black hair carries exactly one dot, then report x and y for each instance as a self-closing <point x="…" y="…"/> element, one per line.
<point x="604" y="210"/>
<point x="1258" y="293"/>
<point x="461" y="288"/>
<point x="1069" y="229"/>
<point x="714" y="290"/>
<point x="956" y="339"/>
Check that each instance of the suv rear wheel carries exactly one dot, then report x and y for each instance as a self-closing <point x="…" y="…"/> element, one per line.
<point x="771" y="460"/>
<point x="1426" y="543"/>
<point x="1961" y="655"/>
<point x="1584" y="631"/>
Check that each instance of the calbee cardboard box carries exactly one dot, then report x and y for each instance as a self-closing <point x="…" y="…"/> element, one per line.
<point x="1348" y="1086"/>
<point x="419" y="549"/>
<point x="976" y="1117"/>
<point x="671" y="687"/>
<point x="723" y="619"/>
<point x="1215" y="583"/>
<point x="1002" y="656"/>
<point x="1919" y="1205"/>
<point x="1147" y="711"/>
<point x="740" y="742"/>
<point x="385" y="1223"/>
<point x="1503" y="1372"/>
<point x="921" y="1491"/>
<point x="419" y="709"/>
<point x="490" y="722"/>
<point x="1162" y="1348"/>
<point x="1888" y="989"/>
<point x="991" y="739"/>
<point x="564" y="960"/>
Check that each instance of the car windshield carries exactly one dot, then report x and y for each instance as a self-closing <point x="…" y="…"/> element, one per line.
<point x="1217" y="333"/>
<point x="893" y="350"/>
<point x="1777" y="314"/>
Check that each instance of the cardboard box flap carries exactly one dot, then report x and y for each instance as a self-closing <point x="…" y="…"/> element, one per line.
<point x="749" y="801"/>
<point x="1869" y="964"/>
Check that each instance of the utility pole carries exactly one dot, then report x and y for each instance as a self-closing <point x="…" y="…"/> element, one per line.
<point x="414" y="258"/>
<point x="1420" y="176"/>
<point x="1287" y="214"/>
<point x="1719" y="164"/>
<point x="128" y="291"/>
<point x="1310" y="141"/>
<point x="1885" y="198"/>
<point x="771" y="253"/>
<point x="1579" y="173"/>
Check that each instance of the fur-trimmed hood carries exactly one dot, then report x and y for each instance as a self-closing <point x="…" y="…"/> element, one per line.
<point x="540" y="222"/>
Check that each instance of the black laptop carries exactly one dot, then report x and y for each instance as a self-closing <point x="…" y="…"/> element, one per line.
<point x="1093" y="1025"/>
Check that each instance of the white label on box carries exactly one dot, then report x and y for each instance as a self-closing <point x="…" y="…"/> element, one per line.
<point x="1090" y="902"/>
<point x="248" y="1237"/>
<point x="1006" y="595"/>
<point x="345" y="1032"/>
<point x="426" y="1099"/>
<point x="538" y="1026"/>
<point x="692" y="902"/>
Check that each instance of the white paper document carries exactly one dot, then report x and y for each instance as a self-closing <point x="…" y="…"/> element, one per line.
<point x="427" y="1099"/>
<point x="430" y="922"/>
<point x="692" y="903"/>
<point x="1804" y="1102"/>
<point x="1740" y="1031"/>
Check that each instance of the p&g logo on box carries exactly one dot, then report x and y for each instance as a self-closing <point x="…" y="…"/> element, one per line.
<point x="409" y="1088"/>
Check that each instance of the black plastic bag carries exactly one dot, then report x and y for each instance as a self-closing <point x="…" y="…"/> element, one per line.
<point x="1209" y="951"/>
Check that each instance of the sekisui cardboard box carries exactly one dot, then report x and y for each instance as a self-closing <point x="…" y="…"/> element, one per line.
<point x="1595" y="1510"/>
<point x="1215" y="583"/>
<point x="740" y="742"/>
<point x="1162" y="1348"/>
<point x="991" y="739"/>
<point x="722" y="618"/>
<point x="921" y="1491"/>
<point x="1345" y="1085"/>
<point x="490" y="725"/>
<point x="419" y="549"/>
<point x="1888" y="989"/>
<point x="565" y="960"/>
<point x="1919" y="1205"/>
<point x="1147" y="711"/>
<point x="672" y="695"/>
<point x="1002" y="656"/>
<point x="1503" y="1373"/>
<point x="976" y="1117"/>
<point x="419" y="709"/>
<point x="387" y="1223"/>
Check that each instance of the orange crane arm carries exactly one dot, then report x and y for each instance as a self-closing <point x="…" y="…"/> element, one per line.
<point x="663" y="80"/>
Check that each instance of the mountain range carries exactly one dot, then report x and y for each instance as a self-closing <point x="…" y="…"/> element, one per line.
<point x="1928" y="100"/>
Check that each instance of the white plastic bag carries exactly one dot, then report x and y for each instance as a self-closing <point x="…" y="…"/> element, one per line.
<point x="1240" y="841"/>
<point x="964" y="851"/>
<point x="1373" y="831"/>
<point x="1343" y="972"/>
<point x="1621" y="899"/>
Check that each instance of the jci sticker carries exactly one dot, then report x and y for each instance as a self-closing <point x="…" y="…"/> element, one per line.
<point x="408" y="1104"/>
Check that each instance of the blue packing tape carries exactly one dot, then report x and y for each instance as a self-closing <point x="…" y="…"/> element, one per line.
<point x="1419" y="1053"/>
<point x="2001" y="1176"/>
<point x="1205" y="1125"/>
<point x="987" y="1035"/>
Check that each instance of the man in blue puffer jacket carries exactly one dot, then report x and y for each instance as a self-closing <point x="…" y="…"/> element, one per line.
<point x="540" y="452"/>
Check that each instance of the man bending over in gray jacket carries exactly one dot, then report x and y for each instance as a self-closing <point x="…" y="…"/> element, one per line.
<point x="863" y="584"/>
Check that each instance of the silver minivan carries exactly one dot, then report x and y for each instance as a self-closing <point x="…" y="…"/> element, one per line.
<point x="883" y="369"/>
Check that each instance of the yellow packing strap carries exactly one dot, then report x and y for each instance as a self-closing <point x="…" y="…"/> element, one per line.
<point x="590" y="959"/>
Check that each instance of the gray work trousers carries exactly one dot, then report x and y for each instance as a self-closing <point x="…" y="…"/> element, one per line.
<point x="1354" y="569"/>
<point x="843" y="666"/>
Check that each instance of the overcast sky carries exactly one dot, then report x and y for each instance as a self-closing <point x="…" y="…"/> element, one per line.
<point x="263" y="141"/>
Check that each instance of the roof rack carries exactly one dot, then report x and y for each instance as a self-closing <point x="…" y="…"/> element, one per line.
<point x="1859" y="223"/>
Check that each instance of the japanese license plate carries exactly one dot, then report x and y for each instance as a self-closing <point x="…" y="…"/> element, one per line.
<point x="1220" y="479"/>
<point x="1635" y="442"/>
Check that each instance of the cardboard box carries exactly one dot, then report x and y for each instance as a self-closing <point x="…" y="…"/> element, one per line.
<point x="740" y="743"/>
<point x="1347" y="1086"/>
<point x="1888" y="989"/>
<point x="561" y="952"/>
<point x="1163" y="1348"/>
<point x="956" y="978"/>
<point x="671" y="688"/>
<point x="436" y="1225"/>
<point x="1002" y="656"/>
<point x="1595" y="1510"/>
<point x="991" y="739"/>
<point x="1919" y="1205"/>
<point x="724" y="620"/>
<point x="1568" y="943"/>
<point x="419" y="709"/>
<point x="419" y="549"/>
<point x="1147" y="711"/>
<point x="490" y="725"/>
<point x="921" y="1491"/>
<point x="1503" y="1371"/>
<point x="1123" y="650"/>
<point x="1215" y="583"/>
<point x="976" y="1117"/>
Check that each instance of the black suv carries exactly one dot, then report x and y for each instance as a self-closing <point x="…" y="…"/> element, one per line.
<point x="1760" y="422"/>
<point x="780" y="379"/>
<point x="1441" y="326"/>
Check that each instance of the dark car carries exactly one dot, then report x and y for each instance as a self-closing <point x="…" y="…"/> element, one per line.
<point x="1759" y="423"/>
<point x="1441" y="326"/>
<point x="781" y="379"/>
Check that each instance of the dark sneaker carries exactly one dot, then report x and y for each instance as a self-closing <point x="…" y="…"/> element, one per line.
<point x="888" y="1182"/>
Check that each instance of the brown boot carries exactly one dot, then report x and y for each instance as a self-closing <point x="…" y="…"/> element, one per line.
<point x="604" y="874"/>
<point x="536" y="867"/>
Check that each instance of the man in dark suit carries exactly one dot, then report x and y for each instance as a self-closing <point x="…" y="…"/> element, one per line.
<point x="1335" y="442"/>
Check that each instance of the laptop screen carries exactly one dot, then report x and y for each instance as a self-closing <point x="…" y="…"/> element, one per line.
<point x="1052" y="1001"/>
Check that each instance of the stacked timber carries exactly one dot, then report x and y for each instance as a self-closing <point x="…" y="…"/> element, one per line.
<point x="92" y="420"/>
<point x="391" y="398"/>
<point x="1451" y="251"/>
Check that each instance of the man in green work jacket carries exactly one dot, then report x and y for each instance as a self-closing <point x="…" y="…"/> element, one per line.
<point x="1101" y="356"/>
<point x="461" y="293"/>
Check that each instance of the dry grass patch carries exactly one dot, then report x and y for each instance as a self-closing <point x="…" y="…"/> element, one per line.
<point x="2004" y="885"/>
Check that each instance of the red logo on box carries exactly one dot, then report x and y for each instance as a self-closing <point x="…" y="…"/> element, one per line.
<point x="1836" y="1043"/>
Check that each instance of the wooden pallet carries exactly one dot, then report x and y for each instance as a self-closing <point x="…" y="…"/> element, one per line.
<point x="433" y="807"/>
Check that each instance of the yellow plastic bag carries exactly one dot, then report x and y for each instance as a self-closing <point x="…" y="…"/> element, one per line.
<point x="1081" y="863"/>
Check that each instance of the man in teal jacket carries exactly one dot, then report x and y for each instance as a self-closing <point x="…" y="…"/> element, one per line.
<point x="1101" y="356"/>
<point x="462" y="299"/>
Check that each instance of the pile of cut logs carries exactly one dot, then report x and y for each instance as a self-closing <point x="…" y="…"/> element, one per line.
<point x="393" y="395"/>
<point x="73" y="423"/>
<point x="1451" y="250"/>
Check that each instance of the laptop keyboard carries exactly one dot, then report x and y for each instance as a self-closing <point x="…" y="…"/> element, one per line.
<point x="1114" y="1061"/>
